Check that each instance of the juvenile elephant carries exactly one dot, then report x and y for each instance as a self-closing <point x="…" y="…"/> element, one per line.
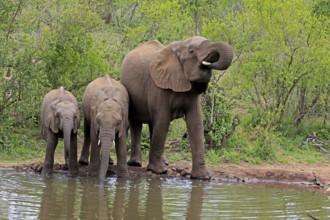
<point x="105" y="106"/>
<point x="164" y="83"/>
<point x="60" y="118"/>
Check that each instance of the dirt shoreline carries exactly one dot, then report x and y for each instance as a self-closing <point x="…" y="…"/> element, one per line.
<point x="305" y="176"/>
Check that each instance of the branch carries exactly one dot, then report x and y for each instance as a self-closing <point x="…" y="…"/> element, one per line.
<point x="133" y="11"/>
<point x="295" y="82"/>
<point x="13" y="19"/>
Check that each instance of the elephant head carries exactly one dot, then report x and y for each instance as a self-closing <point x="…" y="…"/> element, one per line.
<point x="62" y="115"/>
<point x="109" y="114"/>
<point x="182" y="63"/>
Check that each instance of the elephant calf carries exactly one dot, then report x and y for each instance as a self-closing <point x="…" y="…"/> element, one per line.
<point x="105" y="106"/>
<point x="60" y="119"/>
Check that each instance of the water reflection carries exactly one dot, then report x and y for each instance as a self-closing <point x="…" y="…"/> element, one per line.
<point x="58" y="198"/>
<point x="196" y="201"/>
<point x="30" y="196"/>
<point x="120" y="199"/>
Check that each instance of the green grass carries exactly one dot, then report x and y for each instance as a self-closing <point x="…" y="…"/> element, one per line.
<point x="26" y="146"/>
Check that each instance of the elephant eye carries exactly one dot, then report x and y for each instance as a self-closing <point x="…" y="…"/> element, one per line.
<point x="191" y="49"/>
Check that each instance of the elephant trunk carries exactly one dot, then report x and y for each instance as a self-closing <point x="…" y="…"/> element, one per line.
<point x="67" y="130"/>
<point x="216" y="55"/>
<point x="70" y="147"/>
<point x="106" y="143"/>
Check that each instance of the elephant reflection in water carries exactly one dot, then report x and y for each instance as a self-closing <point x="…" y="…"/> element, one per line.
<point x="58" y="199"/>
<point x="122" y="199"/>
<point x="196" y="200"/>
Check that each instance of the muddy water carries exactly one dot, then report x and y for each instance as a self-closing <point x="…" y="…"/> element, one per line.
<point x="31" y="196"/>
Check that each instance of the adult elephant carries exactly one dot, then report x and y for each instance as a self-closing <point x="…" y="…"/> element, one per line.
<point x="60" y="118"/>
<point x="164" y="83"/>
<point x="105" y="106"/>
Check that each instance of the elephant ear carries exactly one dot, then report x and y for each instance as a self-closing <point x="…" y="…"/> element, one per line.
<point x="51" y="121"/>
<point x="93" y="113"/>
<point x="97" y="99"/>
<point x="167" y="72"/>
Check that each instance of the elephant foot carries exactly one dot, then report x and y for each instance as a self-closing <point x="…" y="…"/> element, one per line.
<point x="46" y="172"/>
<point x="134" y="162"/>
<point x="93" y="171"/>
<point x="83" y="162"/>
<point x="122" y="173"/>
<point x="201" y="174"/>
<point x="65" y="166"/>
<point x="73" y="173"/>
<point x="159" y="168"/>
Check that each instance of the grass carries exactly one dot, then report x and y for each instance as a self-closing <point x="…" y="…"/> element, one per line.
<point x="25" y="146"/>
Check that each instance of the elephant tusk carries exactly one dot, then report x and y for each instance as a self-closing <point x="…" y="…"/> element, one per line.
<point x="99" y="142"/>
<point x="206" y="63"/>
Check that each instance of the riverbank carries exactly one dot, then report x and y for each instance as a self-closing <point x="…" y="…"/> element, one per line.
<point x="310" y="176"/>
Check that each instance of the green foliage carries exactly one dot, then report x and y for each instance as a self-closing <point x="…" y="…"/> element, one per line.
<point x="276" y="58"/>
<point x="322" y="7"/>
<point x="72" y="56"/>
<point x="219" y="123"/>
<point x="18" y="145"/>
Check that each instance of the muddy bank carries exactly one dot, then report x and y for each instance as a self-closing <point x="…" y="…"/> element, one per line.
<point x="296" y="175"/>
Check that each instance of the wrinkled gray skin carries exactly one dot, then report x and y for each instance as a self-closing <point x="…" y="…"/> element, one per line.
<point x="105" y="105"/>
<point x="60" y="118"/>
<point x="164" y="83"/>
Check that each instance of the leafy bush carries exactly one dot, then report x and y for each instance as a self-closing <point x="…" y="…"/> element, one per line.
<point x="219" y="123"/>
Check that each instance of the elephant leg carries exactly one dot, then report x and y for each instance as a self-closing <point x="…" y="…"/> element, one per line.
<point x="136" y="132"/>
<point x="150" y="135"/>
<point x="121" y="152"/>
<point x="156" y="160"/>
<point x="73" y="165"/>
<point x="83" y="160"/>
<point x="94" y="165"/>
<point x="52" y="141"/>
<point x="196" y="140"/>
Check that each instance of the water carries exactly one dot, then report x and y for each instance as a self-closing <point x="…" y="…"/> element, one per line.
<point x="32" y="196"/>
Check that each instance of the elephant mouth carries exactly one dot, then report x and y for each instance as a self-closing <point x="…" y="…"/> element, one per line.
<point x="207" y="64"/>
<point x="210" y="59"/>
<point x="205" y="74"/>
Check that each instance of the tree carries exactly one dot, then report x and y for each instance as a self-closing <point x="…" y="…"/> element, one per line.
<point x="278" y="59"/>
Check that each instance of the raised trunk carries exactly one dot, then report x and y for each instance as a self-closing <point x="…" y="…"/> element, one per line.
<point x="216" y="55"/>
<point x="106" y="142"/>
